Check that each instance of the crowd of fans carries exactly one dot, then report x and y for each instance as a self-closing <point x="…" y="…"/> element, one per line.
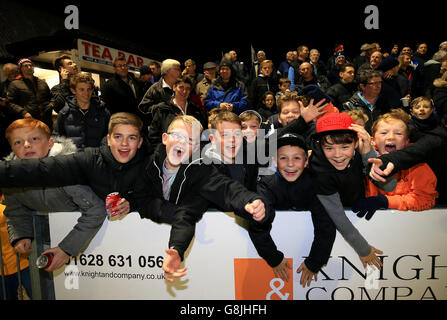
<point x="395" y="102"/>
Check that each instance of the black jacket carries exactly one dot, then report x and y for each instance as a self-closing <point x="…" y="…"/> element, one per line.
<point x="195" y="187"/>
<point x="31" y="96"/>
<point x="258" y="87"/>
<point x="119" y="96"/>
<point x="95" y="167"/>
<point x="154" y="95"/>
<point x="163" y="114"/>
<point x="381" y="107"/>
<point x="85" y="129"/>
<point x="341" y="92"/>
<point x="298" y="196"/>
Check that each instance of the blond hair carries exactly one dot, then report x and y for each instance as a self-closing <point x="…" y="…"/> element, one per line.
<point x="188" y="120"/>
<point x="124" y="118"/>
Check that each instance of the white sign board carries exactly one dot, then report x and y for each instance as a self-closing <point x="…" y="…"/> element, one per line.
<point x="124" y="260"/>
<point x="92" y="54"/>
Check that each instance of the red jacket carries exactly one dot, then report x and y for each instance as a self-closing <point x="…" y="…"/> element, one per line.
<point x="415" y="190"/>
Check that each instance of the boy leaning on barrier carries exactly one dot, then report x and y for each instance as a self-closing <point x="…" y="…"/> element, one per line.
<point x="290" y="188"/>
<point x="115" y="167"/>
<point x="30" y="139"/>
<point x="186" y="181"/>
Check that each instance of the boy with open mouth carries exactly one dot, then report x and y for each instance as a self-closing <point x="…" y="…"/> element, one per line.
<point x="416" y="187"/>
<point x="179" y="175"/>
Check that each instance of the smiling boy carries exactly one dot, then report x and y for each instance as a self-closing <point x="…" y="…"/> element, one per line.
<point x="291" y="189"/>
<point x="338" y="172"/>
<point x="191" y="185"/>
<point x="115" y="167"/>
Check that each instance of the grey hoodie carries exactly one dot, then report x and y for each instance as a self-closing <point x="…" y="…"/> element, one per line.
<point x="22" y="203"/>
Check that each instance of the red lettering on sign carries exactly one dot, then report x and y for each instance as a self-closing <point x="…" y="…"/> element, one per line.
<point x="131" y="60"/>
<point x="95" y="51"/>
<point x="139" y="62"/>
<point x="106" y="54"/>
<point x="86" y="47"/>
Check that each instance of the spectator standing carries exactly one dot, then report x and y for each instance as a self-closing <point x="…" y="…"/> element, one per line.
<point x="84" y="118"/>
<point x="374" y="61"/>
<point x="307" y="76"/>
<point x="145" y="79"/>
<point x="160" y="91"/>
<point x="156" y="71"/>
<point x="164" y="113"/>
<point x="11" y="71"/>
<point x="368" y="98"/>
<point x="266" y="81"/>
<point x="67" y="68"/>
<point x="341" y="91"/>
<point x="318" y="65"/>
<point x="121" y="92"/>
<point x="239" y="67"/>
<point x="209" y="71"/>
<point x="227" y="92"/>
<point x="29" y="96"/>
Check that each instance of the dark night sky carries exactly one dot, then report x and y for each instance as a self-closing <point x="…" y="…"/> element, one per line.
<point x="203" y="29"/>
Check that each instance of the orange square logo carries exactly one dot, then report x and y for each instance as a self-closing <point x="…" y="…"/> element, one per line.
<point x="255" y="280"/>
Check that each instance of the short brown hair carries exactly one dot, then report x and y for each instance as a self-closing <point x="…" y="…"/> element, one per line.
<point x="338" y="138"/>
<point x="82" y="77"/>
<point x="225" y="116"/>
<point x="290" y="96"/>
<point x="57" y="63"/>
<point x="27" y="123"/>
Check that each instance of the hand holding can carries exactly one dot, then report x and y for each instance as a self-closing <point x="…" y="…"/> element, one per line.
<point x="111" y="203"/>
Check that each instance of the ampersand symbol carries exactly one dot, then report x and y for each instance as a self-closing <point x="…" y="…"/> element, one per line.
<point x="276" y="289"/>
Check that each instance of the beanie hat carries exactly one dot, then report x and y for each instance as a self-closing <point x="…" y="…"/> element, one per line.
<point x="387" y="64"/>
<point x="226" y="63"/>
<point x="314" y="91"/>
<point x="331" y="123"/>
<point x="145" y="70"/>
<point x="22" y="61"/>
<point x="291" y="139"/>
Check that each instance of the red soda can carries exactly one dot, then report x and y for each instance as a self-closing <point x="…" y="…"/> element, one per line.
<point x="111" y="203"/>
<point x="44" y="260"/>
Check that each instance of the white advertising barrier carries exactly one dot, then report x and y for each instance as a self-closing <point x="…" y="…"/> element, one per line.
<point x="124" y="259"/>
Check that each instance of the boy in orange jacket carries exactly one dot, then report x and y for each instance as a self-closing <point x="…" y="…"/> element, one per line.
<point x="416" y="187"/>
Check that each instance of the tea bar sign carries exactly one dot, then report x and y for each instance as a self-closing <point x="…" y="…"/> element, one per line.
<point x="90" y="52"/>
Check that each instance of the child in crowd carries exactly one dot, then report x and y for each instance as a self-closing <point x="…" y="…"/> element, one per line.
<point x="284" y="87"/>
<point x="251" y="122"/>
<point x="338" y="175"/>
<point x="358" y="116"/>
<point x="30" y="139"/>
<point x="84" y="118"/>
<point x="425" y="121"/>
<point x="228" y="150"/>
<point x="291" y="188"/>
<point x="268" y="106"/>
<point x="416" y="187"/>
<point x="188" y="183"/>
<point x="9" y="264"/>
<point x="266" y="81"/>
<point x="115" y="167"/>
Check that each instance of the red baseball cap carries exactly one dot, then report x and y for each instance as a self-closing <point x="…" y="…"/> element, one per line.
<point x="333" y="123"/>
